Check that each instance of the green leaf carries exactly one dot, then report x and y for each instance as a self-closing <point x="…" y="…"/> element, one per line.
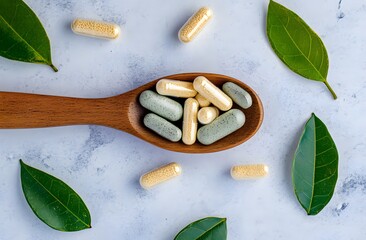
<point x="211" y="228"/>
<point x="22" y="36"/>
<point x="315" y="167"/>
<point x="54" y="202"/>
<point x="297" y="45"/>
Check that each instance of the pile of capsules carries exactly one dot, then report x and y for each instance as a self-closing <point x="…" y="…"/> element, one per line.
<point x="99" y="29"/>
<point x="197" y="109"/>
<point x="172" y="170"/>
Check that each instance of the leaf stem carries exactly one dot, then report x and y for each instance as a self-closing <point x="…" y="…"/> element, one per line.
<point x="53" y="67"/>
<point x="331" y="90"/>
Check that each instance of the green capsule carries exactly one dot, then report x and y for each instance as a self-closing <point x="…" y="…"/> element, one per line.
<point x="222" y="126"/>
<point x="162" y="127"/>
<point x="163" y="106"/>
<point x="238" y="94"/>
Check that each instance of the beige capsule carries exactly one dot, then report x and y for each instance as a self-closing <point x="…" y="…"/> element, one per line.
<point x="160" y="175"/>
<point x="195" y="24"/>
<point x="249" y="171"/>
<point x="190" y="125"/>
<point x="203" y="102"/>
<point x="95" y="28"/>
<point x="175" y="88"/>
<point x="207" y="114"/>
<point x="212" y="93"/>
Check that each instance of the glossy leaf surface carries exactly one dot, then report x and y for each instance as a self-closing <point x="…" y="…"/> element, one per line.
<point x="22" y="36"/>
<point x="53" y="201"/>
<point x="211" y="228"/>
<point x="297" y="45"/>
<point x="315" y="167"/>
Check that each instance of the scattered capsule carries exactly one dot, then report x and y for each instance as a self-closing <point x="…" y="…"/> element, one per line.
<point x="249" y="171"/>
<point x="207" y="114"/>
<point x="94" y="28"/>
<point x="163" y="106"/>
<point x="162" y="127"/>
<point x="195" y="24"/>
<point x="175" y="88"/>
<point x="212" y="93"/>
<point x="160" y="175"/>
<point x="238" y="94"/>
<point x="190" y="121"/>
<point x="222" y="126"/>
<point x="202" y="101"/>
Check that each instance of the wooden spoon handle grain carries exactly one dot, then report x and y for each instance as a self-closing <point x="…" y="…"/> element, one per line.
<point x="20" y="110"/>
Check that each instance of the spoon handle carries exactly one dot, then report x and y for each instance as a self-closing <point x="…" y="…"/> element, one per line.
<point x="21" y="110"/>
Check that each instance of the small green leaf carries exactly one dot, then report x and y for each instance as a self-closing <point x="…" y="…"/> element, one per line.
<point x="22" y="36"/>
<point x="211" y="228"/>
<point x="315" y="167"/>
<point x="297" y="45"/>
<point x="54" y="202"/>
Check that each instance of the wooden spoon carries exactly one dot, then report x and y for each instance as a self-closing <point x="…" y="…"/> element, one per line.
<point x="123" y="112"/>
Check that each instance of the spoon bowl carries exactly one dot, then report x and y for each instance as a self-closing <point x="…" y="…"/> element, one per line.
<point x="122" y="112"/>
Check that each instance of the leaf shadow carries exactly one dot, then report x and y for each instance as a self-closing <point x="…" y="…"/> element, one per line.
<point x="264" y="19"/>
<point x="289" y="158"/>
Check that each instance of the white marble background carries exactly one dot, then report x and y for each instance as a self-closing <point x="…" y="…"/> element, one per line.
<point x="103" y="165"/>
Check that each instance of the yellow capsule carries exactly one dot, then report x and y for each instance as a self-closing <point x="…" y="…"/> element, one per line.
<point x="175" y="88"/>
<point x="195" y="24"/>
<point x="207" y="114"/>
<point x="249" y="171"/>
<point x="190" y="121"/>
<point x="160" y="175"/>
<point x="203" y="102"/>
<point x="94" y="28"/>
<point x="212" y="93"/>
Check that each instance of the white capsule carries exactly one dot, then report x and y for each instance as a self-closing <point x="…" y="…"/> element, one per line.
<point x="207" y="114"/>
<point x="212" y="93"/>
<point x="94" y="28"/>
<point x="189" y="130"/>
<point x="175" y="88"/>
<point x="203" y="102"/>
<point x="249" y="171"/>
<point x="195" y="24"/>
<point x="160" y="175"/>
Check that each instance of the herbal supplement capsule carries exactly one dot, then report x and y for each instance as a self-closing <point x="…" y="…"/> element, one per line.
<point x="203" y="102"/>
<point x="163" y="106"/>
<point x="190" y="121"/>
<point x="159" y="175"/>
<point x="222" y="126"/>
<point x="207" y="114"/>
<point x="195" y="24"/>
<point x="212" y="93"/>
<point x="94" y="28"/>
<point x="162" y="127"/>
<point x="175" y="88"/>
<point x="249" y="171"/>
<point x="238" y="94"/>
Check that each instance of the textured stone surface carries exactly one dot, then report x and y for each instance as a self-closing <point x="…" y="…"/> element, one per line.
<point x="104" y="165"/>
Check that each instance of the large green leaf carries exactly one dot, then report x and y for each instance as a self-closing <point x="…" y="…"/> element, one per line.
<point x="54" y="202"/>
<point x="211" y="228"/>
<point x="315" y="167"/>
<point x="297" y="45"/>
<point x="22" y="36"/>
